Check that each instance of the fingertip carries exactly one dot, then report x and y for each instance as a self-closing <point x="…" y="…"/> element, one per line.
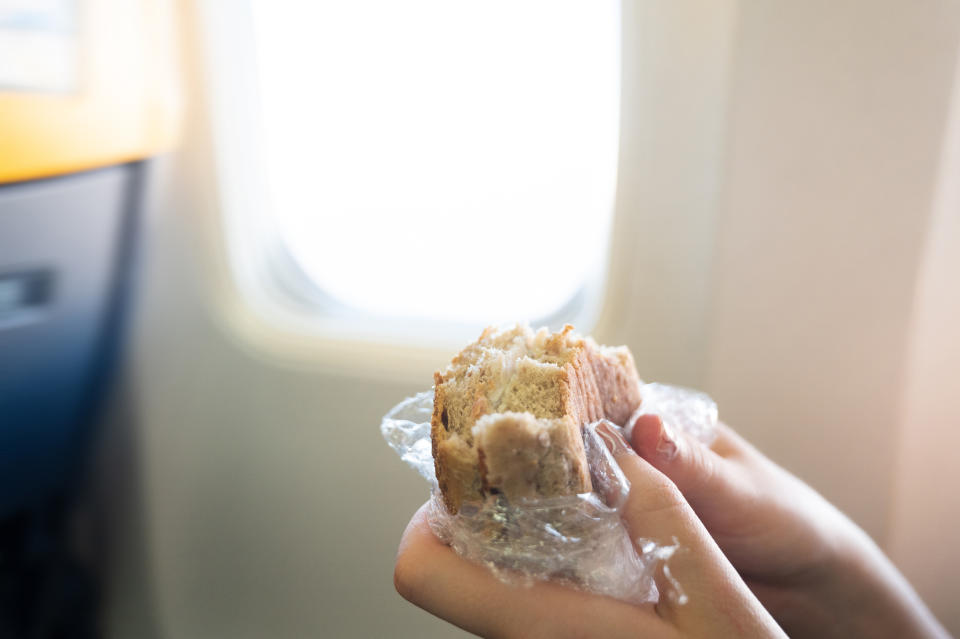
<point x="416" y="543"/>
<point x="414" y="532"/>
<point x="693" y="467"/>
<point x="646" y="434"/>
<point x="650" y="489"/>
<point x="613" y="439"/>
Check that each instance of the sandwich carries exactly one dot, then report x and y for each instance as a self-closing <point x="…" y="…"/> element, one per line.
<point x="509" y="408"/>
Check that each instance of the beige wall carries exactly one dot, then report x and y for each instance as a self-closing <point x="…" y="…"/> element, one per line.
<point x="779" y="166"/>
<point x="836" y="123"/>
<point x="925" y="517"/>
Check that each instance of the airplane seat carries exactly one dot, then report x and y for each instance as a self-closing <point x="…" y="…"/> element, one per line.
<point x="87" y="105"/>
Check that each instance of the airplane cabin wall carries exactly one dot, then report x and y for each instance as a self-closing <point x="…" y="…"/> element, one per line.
<point x="773" y="212"/>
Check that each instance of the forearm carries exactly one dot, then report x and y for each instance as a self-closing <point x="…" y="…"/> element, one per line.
<point x="861" y="594"/>
<point x="887" y="605"/>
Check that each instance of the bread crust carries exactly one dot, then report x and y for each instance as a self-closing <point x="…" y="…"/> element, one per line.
<point x="588" y="383"/>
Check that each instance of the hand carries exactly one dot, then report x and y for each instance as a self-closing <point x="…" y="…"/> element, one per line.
<point x="432" y="576"/>
<point x="817" y="572"/>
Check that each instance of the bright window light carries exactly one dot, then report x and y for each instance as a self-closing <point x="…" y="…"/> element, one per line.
<point x="443" y="159"/>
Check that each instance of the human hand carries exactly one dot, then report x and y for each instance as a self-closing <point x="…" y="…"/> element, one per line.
<point x="815" y="570"/>
<point x="719" y="604"/>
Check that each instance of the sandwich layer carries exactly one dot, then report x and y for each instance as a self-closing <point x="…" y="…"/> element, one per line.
<point x="509" y="408"/>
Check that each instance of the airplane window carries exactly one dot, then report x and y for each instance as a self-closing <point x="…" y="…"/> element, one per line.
<point x="442" y="159"/>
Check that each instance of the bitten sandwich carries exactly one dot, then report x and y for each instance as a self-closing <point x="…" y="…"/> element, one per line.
<point x="508" y="412"/>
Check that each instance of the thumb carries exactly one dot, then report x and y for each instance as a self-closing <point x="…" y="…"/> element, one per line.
<point x="708" y="480"/>
<point x="655" y="507"/>
<point x="656" y="510"/>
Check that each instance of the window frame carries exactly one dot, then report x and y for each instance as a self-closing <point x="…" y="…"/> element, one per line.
<point x="272" y="301"/>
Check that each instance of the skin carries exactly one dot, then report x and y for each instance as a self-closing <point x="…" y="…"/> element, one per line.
<point x="813" y="569"/>
<point x="817" y="572"/>
<point x="432" y="576"/>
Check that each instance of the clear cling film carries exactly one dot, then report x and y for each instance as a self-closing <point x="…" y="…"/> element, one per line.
<point x="681" y="409"/>
<point x="578" y="540"/>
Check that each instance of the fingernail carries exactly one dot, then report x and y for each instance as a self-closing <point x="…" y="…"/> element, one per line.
<point x="668" y="446"/>
<point x="613" y="438"/>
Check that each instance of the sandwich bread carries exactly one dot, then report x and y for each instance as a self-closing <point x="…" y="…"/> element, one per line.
<point x="508" y="412"/>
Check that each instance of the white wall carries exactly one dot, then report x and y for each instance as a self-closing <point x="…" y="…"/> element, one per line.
<point x="777" y="174"/>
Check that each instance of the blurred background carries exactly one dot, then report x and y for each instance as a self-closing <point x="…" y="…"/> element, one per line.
<point x="234" y="233"/>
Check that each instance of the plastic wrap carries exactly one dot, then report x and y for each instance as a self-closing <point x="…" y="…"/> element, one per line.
<point x="579" y="540"/>
<point x="681" y="409"/>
